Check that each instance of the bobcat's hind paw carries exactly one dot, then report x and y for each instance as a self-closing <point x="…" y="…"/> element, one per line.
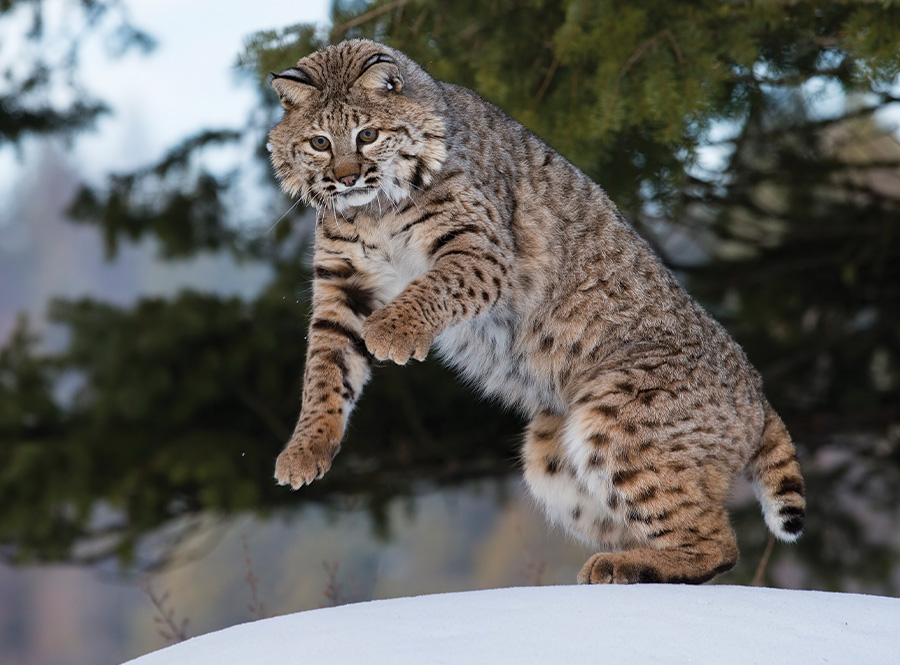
<point x="606" y="568"/>
<point x="299" y="464"/>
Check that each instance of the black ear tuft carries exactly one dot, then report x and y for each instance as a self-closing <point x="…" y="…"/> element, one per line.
<point x="381" y="73"/>
<point x="293" y="86"/>
<point x="378" y="57"/>
<point x="295" y="74"/>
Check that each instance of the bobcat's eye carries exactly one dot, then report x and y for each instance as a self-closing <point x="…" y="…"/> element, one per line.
<point x="320" y="143"/>
<point x="367" y="135"/>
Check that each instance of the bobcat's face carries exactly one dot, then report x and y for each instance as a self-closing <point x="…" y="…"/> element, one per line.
<point x="352" y="130"/>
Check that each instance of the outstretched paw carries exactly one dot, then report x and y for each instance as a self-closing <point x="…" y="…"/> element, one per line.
<point x="299" y="463"/>
<point x="393" y="333"/>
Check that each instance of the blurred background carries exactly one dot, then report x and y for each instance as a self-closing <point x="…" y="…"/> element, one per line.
<point x="154" y="299"/>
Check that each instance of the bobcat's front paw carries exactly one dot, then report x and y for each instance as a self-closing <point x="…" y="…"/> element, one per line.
<point x="394" y="333"/>
<point x="301" y="463"/>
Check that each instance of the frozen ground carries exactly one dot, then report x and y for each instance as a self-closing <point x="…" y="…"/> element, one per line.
<point x="568" y="624"/>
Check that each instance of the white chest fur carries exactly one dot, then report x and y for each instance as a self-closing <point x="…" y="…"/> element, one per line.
<point x="391" y="259"/>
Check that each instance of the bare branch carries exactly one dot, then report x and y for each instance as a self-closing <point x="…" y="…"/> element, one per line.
<point x="256" y="607"/>
<point x="340" y="30"/>
<point x="169" y="629"/>
<point x="760" y="575"/>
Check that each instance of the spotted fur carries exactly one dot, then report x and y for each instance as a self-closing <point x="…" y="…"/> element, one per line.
<point x="457" y="228"/>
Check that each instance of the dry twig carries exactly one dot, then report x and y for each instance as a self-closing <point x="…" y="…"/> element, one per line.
<point x="167" y="626"/>
<point x="256" y="607"/>
<point x="334" y="590"/>
<point x="760" y="575"/>
<point x="534" y="571"/>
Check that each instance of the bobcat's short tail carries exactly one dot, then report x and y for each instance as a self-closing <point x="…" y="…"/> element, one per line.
<point x="776" y="479"/>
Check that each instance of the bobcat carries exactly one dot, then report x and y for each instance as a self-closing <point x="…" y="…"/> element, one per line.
<point x="442" y="221"/>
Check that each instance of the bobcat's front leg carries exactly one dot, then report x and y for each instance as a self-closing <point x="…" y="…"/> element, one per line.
<point x="467" y="279"/>
<point x="337" y="368"/>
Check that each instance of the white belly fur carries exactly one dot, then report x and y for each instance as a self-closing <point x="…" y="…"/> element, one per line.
<point x="485" y="352"/>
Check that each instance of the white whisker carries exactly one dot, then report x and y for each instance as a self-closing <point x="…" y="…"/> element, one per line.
<point x="413" y="201"/>
<point x="335" y="211"/>
<point x="388" y="197"/>
<point x="296" y="203"/>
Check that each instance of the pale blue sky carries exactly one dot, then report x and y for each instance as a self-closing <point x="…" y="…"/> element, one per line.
<point x="188" y="82"/>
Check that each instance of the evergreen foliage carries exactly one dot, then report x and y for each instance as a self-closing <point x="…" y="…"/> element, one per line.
<point x="45" y="65"/>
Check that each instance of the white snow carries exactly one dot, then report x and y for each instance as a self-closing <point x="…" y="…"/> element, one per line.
<point x="568" y="624"/>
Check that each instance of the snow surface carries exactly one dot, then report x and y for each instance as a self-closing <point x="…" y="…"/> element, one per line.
<point x="571" y="625"/>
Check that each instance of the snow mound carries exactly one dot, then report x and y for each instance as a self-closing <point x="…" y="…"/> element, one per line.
<point x="568" y="624"/>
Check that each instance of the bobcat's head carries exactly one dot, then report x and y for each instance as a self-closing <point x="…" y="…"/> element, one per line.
<point x="360" y="121"/>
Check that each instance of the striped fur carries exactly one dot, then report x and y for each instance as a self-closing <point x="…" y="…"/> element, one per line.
<point x="457" y="228"/>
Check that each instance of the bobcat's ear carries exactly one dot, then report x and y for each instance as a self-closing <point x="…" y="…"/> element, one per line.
<point x="293" y="85"/>
<point x="380" y="72"/>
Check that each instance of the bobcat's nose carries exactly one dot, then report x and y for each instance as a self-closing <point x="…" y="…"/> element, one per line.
<point x="350" y="179"/>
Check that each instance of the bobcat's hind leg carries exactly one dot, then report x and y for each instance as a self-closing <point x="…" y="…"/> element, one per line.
<point x="549" y="475"/>
<point x="674" y="514"/>
<point x="667" y="478"/>
<point x="690" y="555"/>
<point x="553" y="480"/>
